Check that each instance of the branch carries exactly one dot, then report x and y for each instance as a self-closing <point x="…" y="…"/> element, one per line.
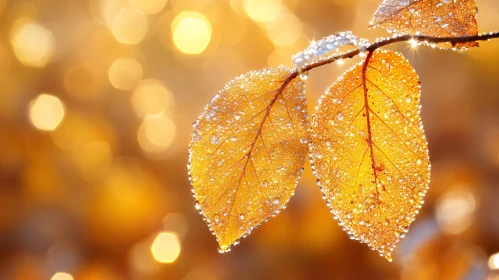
<point x="389" y="41"/>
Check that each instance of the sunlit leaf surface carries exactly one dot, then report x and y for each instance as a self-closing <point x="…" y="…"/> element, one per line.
<point x="369" y="150"/>
<point x="247" y="152"/>
<point x="439" y="18"/>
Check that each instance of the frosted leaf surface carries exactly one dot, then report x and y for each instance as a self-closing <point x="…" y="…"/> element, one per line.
<point x="369" y="152"/>
<point x="247" y="152"/>
<point x="326" y="45"/>
<point x="439" y="18"/>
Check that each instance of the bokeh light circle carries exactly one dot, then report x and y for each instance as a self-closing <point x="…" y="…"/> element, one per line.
<point x="263" y="10"/>
<point x="46" y="112"/>
<point x="165" y="247"/>
<point x="129" y="26"/>
<point x="148" y="6"/>
<point x="151" y="97"/>
<point x="32" y="43"/>
<point x="62" y="276"/>
<point x="125" y="73"/>
<point x="191" y="32"/>
<point x="156" y="133"/>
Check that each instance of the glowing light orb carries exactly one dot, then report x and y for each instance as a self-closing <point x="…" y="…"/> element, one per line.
<point x="191" y="32"/>
<point x="46" y="112"/>
<point x="166" y="247"/>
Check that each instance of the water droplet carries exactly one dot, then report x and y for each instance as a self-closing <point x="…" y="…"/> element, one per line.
<point x="304" y="76"/>
<point x="214" y="139"/>
<point x="340" y="116"/>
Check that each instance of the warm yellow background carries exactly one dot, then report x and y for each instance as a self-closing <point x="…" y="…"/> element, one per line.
<point x="97" y="99"/>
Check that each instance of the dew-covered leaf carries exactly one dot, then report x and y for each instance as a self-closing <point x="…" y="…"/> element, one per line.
<point x="439" y="18"/>
<point x="369" y="151"/>
<point x="248" y="151"/>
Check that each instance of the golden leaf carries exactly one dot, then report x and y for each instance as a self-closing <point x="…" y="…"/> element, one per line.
<point x="369" y="151"/>
<point x="439" y="18"/>
<point x="247" y="152"/>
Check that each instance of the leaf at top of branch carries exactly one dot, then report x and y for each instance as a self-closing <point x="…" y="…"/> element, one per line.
<point x="369" y="151"/>
<point x="439" y="18"/>
<point x="247" y="152"/>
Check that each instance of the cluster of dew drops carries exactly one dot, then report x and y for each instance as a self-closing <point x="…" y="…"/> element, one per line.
<point x="317" y="50"/>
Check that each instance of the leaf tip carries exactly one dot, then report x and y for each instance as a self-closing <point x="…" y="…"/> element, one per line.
<point x="223" y="248"/>
<point x="225" y="244"/>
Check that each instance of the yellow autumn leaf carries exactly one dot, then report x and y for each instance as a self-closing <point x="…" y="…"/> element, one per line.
<point x="369" y="151"/>
<point x="248" y="151"/>
<point x="439" y="18"/>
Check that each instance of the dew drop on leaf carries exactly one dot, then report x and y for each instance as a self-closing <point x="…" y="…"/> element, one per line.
<point x="340" y="116"/>
<point x="304" y="76"/>
<point x="214" y="140"/>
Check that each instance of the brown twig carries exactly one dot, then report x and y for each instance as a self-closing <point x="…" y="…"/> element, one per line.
<point x="389" y="41"/>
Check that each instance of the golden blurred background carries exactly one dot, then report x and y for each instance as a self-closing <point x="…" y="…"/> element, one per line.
<point x="97" y="98"/>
